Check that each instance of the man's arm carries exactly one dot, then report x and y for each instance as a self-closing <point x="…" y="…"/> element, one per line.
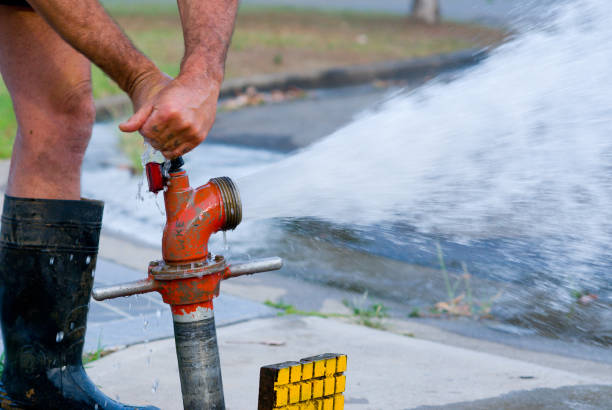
<point x="207" y="30"/>
<point x="175" y="116"/>
<point x="86" y="26"/>
<point x="183" y="113"/>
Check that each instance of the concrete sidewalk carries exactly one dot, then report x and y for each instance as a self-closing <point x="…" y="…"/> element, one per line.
<point x="385" y="370"/>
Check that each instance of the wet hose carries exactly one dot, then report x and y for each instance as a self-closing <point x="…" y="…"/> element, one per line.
<point x="198" y="362"/>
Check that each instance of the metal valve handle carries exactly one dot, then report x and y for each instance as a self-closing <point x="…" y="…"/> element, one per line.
<point x="148" y="285"/>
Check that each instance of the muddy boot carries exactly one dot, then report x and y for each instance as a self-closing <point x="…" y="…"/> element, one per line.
<point x="48" y="254"/>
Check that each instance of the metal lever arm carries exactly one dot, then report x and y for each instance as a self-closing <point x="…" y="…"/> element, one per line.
<point x="257" y="266"/>
<point x="124" y="289"/>
<point x="150" y="285"/>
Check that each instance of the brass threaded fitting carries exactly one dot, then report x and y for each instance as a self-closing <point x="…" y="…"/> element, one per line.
<point x="232" y="206"/>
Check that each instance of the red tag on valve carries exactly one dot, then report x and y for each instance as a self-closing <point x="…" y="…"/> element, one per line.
<point x="155" y="176"/>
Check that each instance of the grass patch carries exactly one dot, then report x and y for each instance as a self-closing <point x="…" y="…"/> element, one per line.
<point x="292" y="310"/>
<point x="93" y="356"/>
<point x="99" y="353"/>
<point x="460" y="299"/>
<point x="278" y="39"/>
<point x="371" y="316"/>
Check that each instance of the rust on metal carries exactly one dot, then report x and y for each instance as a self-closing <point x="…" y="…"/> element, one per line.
<point x="194" y="214"/>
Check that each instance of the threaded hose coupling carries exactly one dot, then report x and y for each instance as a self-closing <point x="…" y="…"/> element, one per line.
<point x="232" y="206"/>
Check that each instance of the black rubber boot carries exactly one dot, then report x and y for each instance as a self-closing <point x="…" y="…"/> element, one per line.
<point x="48" y="252"/>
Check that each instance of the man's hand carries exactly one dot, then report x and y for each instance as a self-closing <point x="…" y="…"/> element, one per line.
<point x="177" y="117"/>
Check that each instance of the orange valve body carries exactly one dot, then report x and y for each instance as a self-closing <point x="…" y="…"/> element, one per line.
<point x="194" y="214"/>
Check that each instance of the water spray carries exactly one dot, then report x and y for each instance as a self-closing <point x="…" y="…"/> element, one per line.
<point x="189" y="276"/>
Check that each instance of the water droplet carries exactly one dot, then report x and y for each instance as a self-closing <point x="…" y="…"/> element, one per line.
<point x="71" y="325"/>
<point x="64" y="368"/>
<point x="96" y="406"/>
<point x="88" y="260"/>
<point x="71" y="257"/>
<point x="160" y="207"/>
<point x="145" y="324"/>
<point x="59" y="336"/>
<point x="155" y="386"/>
<point x="93" y="273"/>
<point x="51" y="260"/>
<point x="225" y="244"/>
<point x="158" y="313"/>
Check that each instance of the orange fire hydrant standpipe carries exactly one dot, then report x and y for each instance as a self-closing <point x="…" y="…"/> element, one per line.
<point x="189" y="277"/>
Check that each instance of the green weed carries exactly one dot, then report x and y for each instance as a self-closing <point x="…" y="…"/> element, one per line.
<point x="292" y="310"/>
<point x="370" y="317"/>
<point x="460" y="304"/>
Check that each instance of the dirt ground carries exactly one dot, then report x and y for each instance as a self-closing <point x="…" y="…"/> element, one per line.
<point x="295" y="41"/>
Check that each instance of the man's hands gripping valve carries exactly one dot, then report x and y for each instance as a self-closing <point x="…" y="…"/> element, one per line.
<point x="173" y="115"/>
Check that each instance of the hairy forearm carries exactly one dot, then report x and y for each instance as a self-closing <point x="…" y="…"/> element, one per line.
<point x="207" y="30"/>
<point x="86" y="26"/>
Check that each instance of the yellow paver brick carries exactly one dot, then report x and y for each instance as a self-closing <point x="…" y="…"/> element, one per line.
<point x="328" y="403"/>
<point x="305" y="391"/>
<point x="341" y="364"/>
<point x="296" y="373"/>
<point x="282" y="396"/>
<point x="330" y="367"/>
<point x="319" y="368"/>
<point x="282" y="377"/>
<point x="307" y="369"/>
<point x="294" y="393"/>
<point x="330" y="386"/>
<point x="340" y="383"/>
<point x="317" y="388"/>
<point x="309" y="405"/>
<point x="338" y="402"/>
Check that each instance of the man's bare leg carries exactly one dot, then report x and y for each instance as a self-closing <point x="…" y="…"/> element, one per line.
<point x="50" y="85"/>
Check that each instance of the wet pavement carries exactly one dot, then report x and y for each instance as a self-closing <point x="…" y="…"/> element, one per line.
<point x="563" y="398"/>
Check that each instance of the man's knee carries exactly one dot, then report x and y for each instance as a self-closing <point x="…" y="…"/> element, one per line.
<point x="58" y="135"/>
<point x="75" y="106"/>
<point x="62" y="127"/>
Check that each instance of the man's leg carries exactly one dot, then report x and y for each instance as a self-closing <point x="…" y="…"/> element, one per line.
<point x="50" y="85"/>
<point x="49" y="237"/>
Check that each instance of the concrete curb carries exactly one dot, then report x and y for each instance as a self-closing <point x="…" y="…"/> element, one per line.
<point x="118" y="105"/>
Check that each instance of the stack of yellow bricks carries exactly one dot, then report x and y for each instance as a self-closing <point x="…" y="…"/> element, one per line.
<point x="313" y="383"/>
